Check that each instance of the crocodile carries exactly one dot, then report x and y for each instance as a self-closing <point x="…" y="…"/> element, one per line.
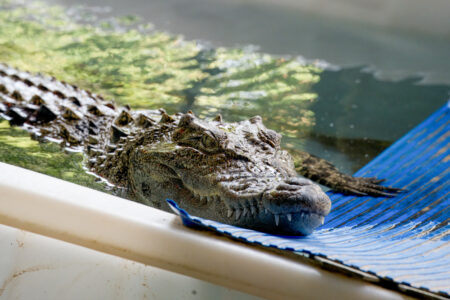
<point x="235" y="173"/>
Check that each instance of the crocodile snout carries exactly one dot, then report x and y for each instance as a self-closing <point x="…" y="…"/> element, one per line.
<point x="298" y="205"/>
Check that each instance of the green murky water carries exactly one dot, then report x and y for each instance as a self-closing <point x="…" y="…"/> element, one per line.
<point x="346" y="116"/>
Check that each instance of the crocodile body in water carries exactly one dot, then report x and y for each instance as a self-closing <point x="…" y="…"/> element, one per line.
<point x="234" y="173"/>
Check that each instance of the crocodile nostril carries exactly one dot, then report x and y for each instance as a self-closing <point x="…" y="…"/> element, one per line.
<point x="287" y="187"/>
<point x="298" y="181"/>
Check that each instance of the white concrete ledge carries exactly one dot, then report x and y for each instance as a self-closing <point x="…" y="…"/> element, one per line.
<point x="75" y="214"/>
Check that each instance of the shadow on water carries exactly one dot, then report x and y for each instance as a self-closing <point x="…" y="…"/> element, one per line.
<point x="203" y="60"/>
<point x="352" y="103"/>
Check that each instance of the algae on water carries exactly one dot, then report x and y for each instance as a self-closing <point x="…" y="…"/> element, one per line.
<point x="17" y="148"/>
<point x="133" y="64"/>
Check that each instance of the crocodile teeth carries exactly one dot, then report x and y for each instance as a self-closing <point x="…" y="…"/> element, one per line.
<point x="245" y="212"/>
<point x="289" y="217"/>
<point x="277" y="219"/>
<point x="266" y="210"/>
<point x="253" y="210"/>
<point x="230" y="213"/>
<point x="238" y="213"/>
<point x="323" y="221"/>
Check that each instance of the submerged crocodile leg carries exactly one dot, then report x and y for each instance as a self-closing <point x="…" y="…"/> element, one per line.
<point x="323" y="172"/>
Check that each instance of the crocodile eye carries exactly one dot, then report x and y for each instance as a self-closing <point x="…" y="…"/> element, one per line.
<point x="209" y="142"/>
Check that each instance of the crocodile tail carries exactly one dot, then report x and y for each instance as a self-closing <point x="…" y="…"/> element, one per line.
<point x="325" y="173"/>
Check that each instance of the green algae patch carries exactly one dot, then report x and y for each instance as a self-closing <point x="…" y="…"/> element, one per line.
<point x="17" y="148"/>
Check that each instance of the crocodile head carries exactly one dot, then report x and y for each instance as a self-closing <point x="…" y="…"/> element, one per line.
<point x="234" y="173"/>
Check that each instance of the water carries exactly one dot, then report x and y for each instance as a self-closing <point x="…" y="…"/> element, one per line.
<point x="344" y="114"/>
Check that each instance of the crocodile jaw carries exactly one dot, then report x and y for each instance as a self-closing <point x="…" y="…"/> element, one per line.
<point x="295" y="206"/>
